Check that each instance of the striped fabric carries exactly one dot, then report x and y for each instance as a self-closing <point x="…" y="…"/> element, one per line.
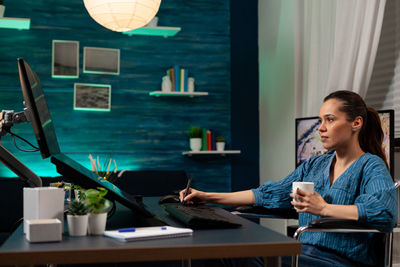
<point x="366" y="183"/>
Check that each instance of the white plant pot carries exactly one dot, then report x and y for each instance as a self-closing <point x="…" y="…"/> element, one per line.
<point x="220" y="146"/>
<point x="195" y="144"/>
<point x="77" y="225"/>
<point x="97" y="223"/>
<point x="2" y="9"/>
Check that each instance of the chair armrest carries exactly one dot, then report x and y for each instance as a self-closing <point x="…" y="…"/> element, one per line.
<point x="261" y="212"/>
<point x="333" y="223"/>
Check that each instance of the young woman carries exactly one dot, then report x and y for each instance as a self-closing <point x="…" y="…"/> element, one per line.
<point x="351" y="182"/>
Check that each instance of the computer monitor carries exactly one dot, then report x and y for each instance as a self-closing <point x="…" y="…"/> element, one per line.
<point x="45" y="134"/>
<point x="308" y="140"/>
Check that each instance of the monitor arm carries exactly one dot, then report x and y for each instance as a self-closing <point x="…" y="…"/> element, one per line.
<point x="7" y="119"/>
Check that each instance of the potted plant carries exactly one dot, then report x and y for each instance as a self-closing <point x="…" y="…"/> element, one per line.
<point x="195" y="134"/>
<point x="2" y="9"/>
<point x="77" y="217"/>
<point x="98" y="206"/>
<point x="105" y="172"/>
<point x="220" y="143"/>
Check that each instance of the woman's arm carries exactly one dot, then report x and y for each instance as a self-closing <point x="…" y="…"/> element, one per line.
<point x="315" y="204"/>
<point x="228" y="199"/>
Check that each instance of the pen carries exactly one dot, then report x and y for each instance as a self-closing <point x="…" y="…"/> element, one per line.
<point x="124" y="230"/>
<point x="188" y="186"/>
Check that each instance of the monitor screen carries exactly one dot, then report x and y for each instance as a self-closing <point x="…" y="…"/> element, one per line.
<point x="308" y="140"/>
<point x="46" y="137"/>
<point x="39" y="112"/>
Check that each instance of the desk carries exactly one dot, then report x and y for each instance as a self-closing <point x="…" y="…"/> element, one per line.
<point x="251" y="240"/>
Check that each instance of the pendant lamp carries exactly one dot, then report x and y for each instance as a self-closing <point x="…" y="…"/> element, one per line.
<point x="122" y="15"/>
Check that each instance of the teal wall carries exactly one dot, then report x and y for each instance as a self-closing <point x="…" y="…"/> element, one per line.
<point x="140" y="132"/>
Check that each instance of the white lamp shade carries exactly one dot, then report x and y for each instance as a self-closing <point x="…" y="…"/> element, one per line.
<point x="122" y="15"/>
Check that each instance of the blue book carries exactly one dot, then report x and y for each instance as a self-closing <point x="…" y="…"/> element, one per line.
<point x="177" y="78"/>
<point x="213" y="144"/>
<point x="185" y="81"/>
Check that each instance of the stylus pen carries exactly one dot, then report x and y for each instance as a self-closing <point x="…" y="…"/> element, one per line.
<point x="188" y="186"/>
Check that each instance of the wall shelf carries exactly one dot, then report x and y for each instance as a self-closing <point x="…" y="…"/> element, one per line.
<point x="154" y="31"/>
<point x="15" y="23"/>
<point x="213" y="152"/>
<point x="190" y="94"/>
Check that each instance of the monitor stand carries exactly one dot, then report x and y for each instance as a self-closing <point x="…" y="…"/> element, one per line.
<point x="7" y="119"/>
<point x="19" y="168"/>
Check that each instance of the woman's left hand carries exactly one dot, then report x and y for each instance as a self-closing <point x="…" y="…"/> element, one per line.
<point x="308" y="202"/>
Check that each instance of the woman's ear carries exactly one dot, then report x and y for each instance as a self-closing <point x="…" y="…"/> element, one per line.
<point x="357" y="123"/>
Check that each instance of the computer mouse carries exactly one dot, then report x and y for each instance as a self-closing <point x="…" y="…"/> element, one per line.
<point x="169" y="199"/>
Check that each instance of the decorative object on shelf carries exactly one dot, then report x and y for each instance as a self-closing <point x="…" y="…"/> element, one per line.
<point x="190" y="85"/>
<point x="220" y="143"/>
<point x="65" y="59"/>
<point x="98" y="206"/>
<point x="94" y="97"/>
<point x="179" y="78"/>
<point x="77" y="217"/>
<point x="105" y="172"/>
<point x="195" y="133"/>
<point x="2" y="9"/>
<point x="121" y="16"/>
<point x="166" y="84"/>
<point x="153" y="23"/>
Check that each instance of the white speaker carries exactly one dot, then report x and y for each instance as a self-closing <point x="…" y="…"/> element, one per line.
<point x="43" y="203"/>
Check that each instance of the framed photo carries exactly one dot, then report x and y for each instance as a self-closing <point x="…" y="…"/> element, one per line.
<point x="96" y="97"/>
<point x="101" y="60"/>
<point x="65" y="59"/>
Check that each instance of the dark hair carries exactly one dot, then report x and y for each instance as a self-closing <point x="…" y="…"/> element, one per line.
<point x="371" y="134"/>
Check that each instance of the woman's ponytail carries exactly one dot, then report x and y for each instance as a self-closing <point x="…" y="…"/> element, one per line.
<point x="371" y="135"/>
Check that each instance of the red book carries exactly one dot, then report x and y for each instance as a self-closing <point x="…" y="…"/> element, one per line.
<point x="209" y="146"/>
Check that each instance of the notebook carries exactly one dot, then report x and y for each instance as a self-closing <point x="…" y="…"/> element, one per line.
<point x="146" y="233"/>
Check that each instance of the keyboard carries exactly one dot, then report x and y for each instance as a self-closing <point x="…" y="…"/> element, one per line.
<point x="200" y="216"/>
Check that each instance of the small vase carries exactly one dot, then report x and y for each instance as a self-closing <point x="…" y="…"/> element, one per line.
<point x="77" y="225"/>
<point x="195" y="144"/>
<point x="2" y="9"/>
<point x="220" y="146"/>
<point x="97" y="223"/>
<point x="190" y="84"/>
<point x="166" y="84"/>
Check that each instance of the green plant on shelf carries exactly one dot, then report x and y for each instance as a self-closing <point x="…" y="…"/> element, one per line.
<point x="195" y="132"/>
<point x="220" y="139"/>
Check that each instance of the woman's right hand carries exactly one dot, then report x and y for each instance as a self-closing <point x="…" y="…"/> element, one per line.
<point x="193" y="197"/>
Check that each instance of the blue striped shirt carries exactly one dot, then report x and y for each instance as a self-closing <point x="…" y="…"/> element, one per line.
<point x="366" y="184"/>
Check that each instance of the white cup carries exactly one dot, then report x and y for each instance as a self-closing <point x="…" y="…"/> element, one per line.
<point x="304" y="186"/>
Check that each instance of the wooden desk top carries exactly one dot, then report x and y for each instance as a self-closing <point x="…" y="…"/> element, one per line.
<point x="248" y="241"/>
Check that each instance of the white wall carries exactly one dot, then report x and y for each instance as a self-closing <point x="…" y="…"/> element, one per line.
<point x="276" y="60"/>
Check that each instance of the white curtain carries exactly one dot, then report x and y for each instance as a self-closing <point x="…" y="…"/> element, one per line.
<point x="335" y="48"/>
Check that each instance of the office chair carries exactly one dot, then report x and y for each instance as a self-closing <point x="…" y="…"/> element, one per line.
<point x="325" y="225"/>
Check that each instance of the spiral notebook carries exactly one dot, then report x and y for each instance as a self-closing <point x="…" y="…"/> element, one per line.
<point x="146" y="233"/>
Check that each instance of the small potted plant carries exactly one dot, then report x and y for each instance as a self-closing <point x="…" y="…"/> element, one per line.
<point x="77" y="217"/>
<point x="106" y="173"/>
<point x="195" y="134"/>
<point x="220" y="143"/>
<point x="98" y="206"/>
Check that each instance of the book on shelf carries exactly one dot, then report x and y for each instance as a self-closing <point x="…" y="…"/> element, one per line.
<point x="204" y="140"/>
<point x="185" y="80"/>
<point x="182" y="80"/>
<point x="213" y="144"/>
<point x="171" y="75"/>
<point x="209" y="146"/>
<point x="177" y="80"/>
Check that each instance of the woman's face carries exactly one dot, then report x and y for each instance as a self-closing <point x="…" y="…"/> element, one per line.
<point x="335" y="130"/>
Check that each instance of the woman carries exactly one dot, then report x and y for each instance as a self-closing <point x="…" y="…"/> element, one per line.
<point x="351" y="182"/>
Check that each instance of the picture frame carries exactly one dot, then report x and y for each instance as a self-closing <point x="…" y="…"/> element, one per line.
<point x="97" y="60"/>
<point x="65" y="59"/>
<point x="92" y="97"/>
